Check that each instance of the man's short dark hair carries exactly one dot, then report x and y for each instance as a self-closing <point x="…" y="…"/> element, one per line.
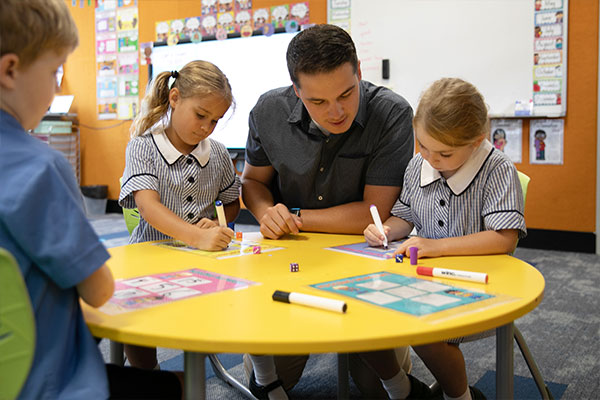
<point x="320" y="48"/>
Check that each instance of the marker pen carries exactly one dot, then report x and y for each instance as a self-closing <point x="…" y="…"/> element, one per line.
<point x="378" y="224"/>
<point x="220" y="213"/>
<point x="453" y="274"/>
<point x="310" y="300"/>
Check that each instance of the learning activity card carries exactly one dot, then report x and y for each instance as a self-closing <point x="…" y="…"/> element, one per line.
<point x="414" y="296"/>
<point x="152" y="290"/>
<point x="236" y="248"/>
<point x="363" y="249"/>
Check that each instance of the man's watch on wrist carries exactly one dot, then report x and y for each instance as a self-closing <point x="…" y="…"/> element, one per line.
<point x="295" y="211"/>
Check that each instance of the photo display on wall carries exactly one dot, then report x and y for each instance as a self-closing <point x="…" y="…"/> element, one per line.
<point x="117" y="59"/>
<point x="223" y="19"/>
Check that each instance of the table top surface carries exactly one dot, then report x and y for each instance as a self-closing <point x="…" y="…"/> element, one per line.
<point x="248" y="320"/>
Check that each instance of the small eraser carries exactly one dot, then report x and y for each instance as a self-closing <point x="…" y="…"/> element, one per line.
<point x="399" y="258"/>
<point x="256" y="249"/>
<point x="414" y="255"/>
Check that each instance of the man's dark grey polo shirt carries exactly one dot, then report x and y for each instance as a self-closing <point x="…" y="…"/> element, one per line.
<point x="314" y="170"/>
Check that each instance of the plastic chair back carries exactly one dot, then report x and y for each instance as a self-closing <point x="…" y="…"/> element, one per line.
<point x="131" y="215"/>
<point x="17" y="328"/>
<point x="524" y="179"/>
<point x="132" y="218"/>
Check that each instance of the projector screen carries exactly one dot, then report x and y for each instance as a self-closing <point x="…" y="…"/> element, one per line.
<point x="253" y="66"/>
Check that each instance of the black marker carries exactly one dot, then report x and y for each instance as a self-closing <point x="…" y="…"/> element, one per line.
<point x="310" y="300"/>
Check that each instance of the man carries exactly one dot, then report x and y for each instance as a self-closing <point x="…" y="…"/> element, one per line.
<point x="318" y="154"/>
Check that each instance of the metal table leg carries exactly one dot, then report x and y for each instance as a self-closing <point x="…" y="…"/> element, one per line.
<point x="116" y="353"/>
<point x="195" y="375"/>
<point x="225" y="376"/>
<point x="505" y="362"/>
<point x="343" y="378"/>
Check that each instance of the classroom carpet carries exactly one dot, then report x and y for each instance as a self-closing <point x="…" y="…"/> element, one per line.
<point x="562" y="333"/>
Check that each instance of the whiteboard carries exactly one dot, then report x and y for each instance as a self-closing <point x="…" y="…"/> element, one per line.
<point x="486" y="42"/>
<point x="252" y="65"/>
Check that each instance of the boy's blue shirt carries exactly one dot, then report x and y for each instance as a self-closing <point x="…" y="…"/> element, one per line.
<point x="43" y="225"/>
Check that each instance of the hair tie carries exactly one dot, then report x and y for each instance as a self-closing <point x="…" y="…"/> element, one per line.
<point x="174" y="74"/>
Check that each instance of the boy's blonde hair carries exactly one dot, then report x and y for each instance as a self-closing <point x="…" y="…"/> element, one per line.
<point x="453" y="112"/>
<point x="28" y="28"/>
<point x="196" y="78"/>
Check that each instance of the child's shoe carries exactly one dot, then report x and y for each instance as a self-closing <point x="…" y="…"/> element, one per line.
<point x="476" y="394"/>
<point x="419" y="390"/>
<point x="262" y="392"/>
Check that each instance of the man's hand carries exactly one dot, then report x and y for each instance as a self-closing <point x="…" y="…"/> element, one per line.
<point x="278" y="221"/>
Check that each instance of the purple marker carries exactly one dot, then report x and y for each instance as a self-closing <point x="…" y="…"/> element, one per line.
<point x="414" y="255"/>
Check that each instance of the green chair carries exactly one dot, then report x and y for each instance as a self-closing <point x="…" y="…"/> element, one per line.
<point x="524" y="179"/>
<point x="132" y="218"/>
<point x="131" y="215"/>
<point x="535" y="373"/>
<point x="533" y="368"/>
<point x="17" y="328"/>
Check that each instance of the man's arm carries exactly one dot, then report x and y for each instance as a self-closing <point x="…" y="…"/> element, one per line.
<point x="275" y="219"/>
<point x="232" y="210"/>
<point x="352" y="217"/>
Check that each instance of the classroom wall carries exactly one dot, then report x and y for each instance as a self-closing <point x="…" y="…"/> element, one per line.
<point x="560" y="197"/>
<point x="103" y="142"/>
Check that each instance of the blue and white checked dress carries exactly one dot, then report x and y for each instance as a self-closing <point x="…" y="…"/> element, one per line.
<point x="188" y="185"/>
<point x="484" y="194"/>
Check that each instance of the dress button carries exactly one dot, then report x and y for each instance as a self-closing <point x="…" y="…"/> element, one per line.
<point x="190" y="215"/>
<point x="442" y="203"/>
<point x="320" y="197"/>
<point x="327" y="140"/>
<point x="321" y="169"/>
<point x="189" y="161"/>
<point x="191" y="179"/>
<point x="441" y="223"/>
<point x="189" y="198"/>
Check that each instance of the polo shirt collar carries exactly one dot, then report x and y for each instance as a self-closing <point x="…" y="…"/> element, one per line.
<point x="461" y="180"/>
<point x="361" y="115"/>
<point x="170" y="154"/>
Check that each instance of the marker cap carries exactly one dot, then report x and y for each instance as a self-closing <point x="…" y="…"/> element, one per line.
<point x="414" y="255"/>
<point x="279" y="295"/>
<point x="427" y="271"/>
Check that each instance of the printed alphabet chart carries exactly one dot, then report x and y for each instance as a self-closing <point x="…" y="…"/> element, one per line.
<point x="414" y="296"/>
<point x="152" y="290"/>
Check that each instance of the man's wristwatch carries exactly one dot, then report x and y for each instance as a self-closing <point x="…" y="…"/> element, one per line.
<point x="295" y="211"/>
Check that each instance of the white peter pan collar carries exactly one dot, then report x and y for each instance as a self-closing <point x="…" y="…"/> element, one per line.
<point x="201" y="152"/>
<point x="462" y="178"/>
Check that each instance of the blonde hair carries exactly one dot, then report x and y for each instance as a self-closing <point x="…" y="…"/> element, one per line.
<point x="196" y="78"/>
<point x="28" y="28"/>
<point x="453" y="112"/>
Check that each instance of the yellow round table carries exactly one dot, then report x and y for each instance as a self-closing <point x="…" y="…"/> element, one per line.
<point x="248" y="320"/>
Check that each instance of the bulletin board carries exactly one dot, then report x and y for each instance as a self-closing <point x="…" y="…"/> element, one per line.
<point x="489" y="43"/>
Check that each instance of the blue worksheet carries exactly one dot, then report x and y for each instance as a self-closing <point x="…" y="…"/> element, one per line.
<point x="414" y="296"/>
<point x="363" y="249"/>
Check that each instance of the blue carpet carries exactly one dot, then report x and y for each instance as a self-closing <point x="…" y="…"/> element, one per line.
<point x="114" y="235"/>
<point x="525" y="388"/>
<point x="228" y="360"/>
